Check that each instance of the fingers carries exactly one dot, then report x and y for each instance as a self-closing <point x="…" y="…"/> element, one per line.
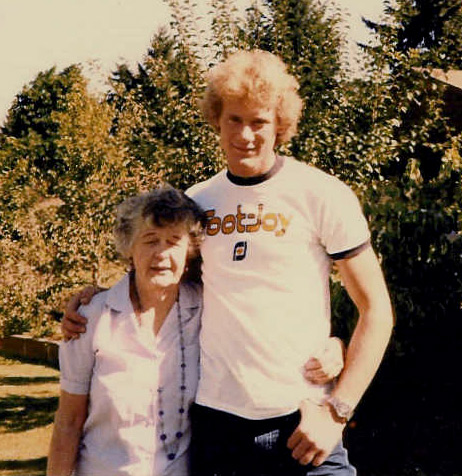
<point x="82" y="297"/>
<point x="302" y="447"/>
<point x="87" y="293"/>
<point x="313" y="364"/>
<point x="73" y="304"/>
<point x="294" y="438"/>
<point x="318" y="377"/>
<point x="318" y="373"/>
<point x="308" y="457"/>
<point x="73" y="324"/>
<point x="304" y="450"/>
<point x="319" y="458"/>
<point x="316" y="435"/>
<point x="327" y="364"/>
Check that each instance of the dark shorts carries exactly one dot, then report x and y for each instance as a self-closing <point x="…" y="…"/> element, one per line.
<point x="227" y="445"/>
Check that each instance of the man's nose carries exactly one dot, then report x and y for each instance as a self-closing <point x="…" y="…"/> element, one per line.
<point x="247" y="133"/>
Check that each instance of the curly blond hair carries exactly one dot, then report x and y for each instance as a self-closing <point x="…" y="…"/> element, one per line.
<point x="259" y="78"/>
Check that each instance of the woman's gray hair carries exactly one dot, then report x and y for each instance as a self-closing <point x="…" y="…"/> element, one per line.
<point x="161" y="207"/>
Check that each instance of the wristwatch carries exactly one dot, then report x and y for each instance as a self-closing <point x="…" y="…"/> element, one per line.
<point x="343" y="411"/>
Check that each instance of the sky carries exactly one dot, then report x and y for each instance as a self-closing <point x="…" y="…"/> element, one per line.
<point x="36" y="35"/>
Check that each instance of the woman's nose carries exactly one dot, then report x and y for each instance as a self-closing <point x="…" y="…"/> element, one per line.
<point x="161" y="250"/>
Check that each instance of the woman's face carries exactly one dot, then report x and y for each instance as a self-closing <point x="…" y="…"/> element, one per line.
<point x="159" y="254"/>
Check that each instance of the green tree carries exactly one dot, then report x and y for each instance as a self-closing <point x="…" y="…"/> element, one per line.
<point x="56" y="224"/>
<point x="433" y="27"/>
<point x="30" y="167"/>
<point x="31" y="119"/>
<point x="170" y="138"/>
<point x="411" y="190"/>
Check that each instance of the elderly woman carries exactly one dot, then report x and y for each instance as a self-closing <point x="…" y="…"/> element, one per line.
<point x="127" y="384"/>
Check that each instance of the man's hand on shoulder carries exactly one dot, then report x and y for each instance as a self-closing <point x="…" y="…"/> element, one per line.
<point x="74" y="324"/>
<point x="317" y="434"/>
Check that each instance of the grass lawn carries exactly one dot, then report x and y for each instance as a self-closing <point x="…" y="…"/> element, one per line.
<point x="28" y="400"/>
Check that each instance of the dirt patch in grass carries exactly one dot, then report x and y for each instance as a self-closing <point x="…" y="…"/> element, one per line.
<point x="28" y="400"/>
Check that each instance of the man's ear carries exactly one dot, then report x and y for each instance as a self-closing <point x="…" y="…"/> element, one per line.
<point x="280" y="131"/>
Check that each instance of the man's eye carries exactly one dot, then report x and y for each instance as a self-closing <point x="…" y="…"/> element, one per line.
<point x="259" y="123"/>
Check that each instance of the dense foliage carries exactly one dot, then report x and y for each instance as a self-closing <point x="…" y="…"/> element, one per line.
<point x="68" y="157"/>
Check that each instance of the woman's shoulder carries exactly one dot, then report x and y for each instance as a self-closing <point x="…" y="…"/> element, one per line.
<point x="94" y="309"/>
<point x="96" y="303"/>
<point x="115" y="298"/>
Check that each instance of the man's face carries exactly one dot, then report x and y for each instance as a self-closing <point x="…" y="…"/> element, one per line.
<point x="248" y="137"/>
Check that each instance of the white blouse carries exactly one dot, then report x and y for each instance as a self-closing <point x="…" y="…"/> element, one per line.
<point x="129" y="429"/>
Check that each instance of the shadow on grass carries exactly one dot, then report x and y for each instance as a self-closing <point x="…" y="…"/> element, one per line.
<point x="27" y="380"/>
<point x="19" y="413"/>
<point x="31" y="467"/>
<point x="25" y="360"/>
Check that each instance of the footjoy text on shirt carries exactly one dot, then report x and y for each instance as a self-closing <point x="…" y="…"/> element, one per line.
<point x="247" y="222"/>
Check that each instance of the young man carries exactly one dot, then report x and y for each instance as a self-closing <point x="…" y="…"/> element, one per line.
<point x="275" y="226"/>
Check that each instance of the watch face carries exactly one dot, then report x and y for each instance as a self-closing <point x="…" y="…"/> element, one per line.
<point x="342" y="409"/>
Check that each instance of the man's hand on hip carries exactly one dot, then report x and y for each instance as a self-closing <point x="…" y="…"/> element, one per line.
<point x="316" y="436"/>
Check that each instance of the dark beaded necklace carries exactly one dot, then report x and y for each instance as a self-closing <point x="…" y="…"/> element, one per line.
<point x="172" y="449"/>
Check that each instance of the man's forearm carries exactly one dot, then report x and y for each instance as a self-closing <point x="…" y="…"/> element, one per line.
<point x="364" y="282"/>
<point x="321" y="427"/>
<point x="364" y="354"/>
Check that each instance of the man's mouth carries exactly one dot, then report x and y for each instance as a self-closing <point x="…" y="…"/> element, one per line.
<point x="245" y="149"/>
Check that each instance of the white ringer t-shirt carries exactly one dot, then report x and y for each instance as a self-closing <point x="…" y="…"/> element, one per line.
<point x="121" y="366"/>
<point x="266" y="262"/>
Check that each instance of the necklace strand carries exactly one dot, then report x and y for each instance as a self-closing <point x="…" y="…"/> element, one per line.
<point x="172" y="449"/>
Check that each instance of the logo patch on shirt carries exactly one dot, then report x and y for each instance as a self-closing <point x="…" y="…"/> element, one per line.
<point x="241" y="222"/>
<point x="240" y="251"/>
